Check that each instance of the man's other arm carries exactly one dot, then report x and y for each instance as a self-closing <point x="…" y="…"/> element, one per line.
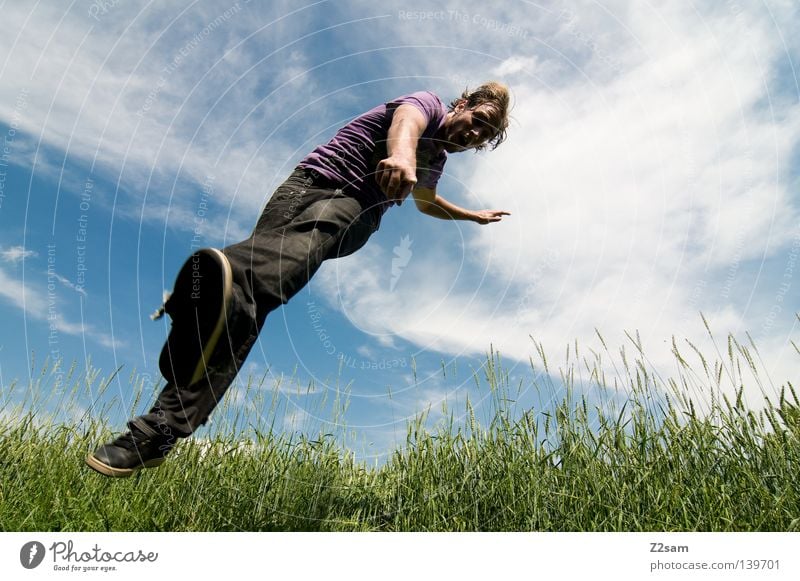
<point x="430" y="203"/>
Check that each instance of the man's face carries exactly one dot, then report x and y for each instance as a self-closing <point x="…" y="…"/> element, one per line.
<point x="465" y="128"/>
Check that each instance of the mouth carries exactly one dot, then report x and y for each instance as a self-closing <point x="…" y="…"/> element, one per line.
<point x="457" y="142"/>
<point x="460" y="141"/>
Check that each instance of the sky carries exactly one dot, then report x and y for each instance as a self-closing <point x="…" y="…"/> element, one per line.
<point x="651" y="171"/>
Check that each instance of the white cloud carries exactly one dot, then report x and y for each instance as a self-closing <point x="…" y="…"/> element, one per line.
<point x="16" y="254"/>
<point x="147" y="95"/>
<point x="647" y="159"/>
<point x="635" y="183"/>
<point x="297" y="420"/>
<point x="516" y="64"/>
<point x="67" y="283"/>
<point x="43" y="306"/>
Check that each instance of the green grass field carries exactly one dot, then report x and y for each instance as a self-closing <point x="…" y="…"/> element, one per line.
<point x="666" y="455"/>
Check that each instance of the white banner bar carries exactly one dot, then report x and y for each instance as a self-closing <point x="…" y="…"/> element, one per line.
<point x="399" y="556"/>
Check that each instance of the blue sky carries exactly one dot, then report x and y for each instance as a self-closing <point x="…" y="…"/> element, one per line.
<point x="651" y="171"/>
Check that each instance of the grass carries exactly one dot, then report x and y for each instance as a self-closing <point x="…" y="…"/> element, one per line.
<point x="672" y="454"/>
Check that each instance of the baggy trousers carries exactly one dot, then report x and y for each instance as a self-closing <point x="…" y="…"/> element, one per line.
<point x="308" y="220"/>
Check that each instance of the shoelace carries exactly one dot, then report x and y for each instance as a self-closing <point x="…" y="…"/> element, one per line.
<point x="159" y="312"/>
<point x="130" y="441"/>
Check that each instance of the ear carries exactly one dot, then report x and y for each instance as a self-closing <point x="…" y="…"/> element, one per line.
<point x="460" y="106"/>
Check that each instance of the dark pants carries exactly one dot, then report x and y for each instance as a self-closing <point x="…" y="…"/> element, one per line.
<point x="307" y="220"/>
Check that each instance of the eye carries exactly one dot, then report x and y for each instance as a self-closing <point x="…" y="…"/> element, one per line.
<point x="482" y="122"/>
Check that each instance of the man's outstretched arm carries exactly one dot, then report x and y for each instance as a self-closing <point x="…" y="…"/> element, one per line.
<point x="430" y="203"/>
<point x="397" y="174"/>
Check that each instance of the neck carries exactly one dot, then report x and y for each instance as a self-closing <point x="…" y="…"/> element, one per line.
<point x="441" y="133"/>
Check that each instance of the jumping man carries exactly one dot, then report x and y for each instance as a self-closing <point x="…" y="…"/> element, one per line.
<point x="328" y="207"/>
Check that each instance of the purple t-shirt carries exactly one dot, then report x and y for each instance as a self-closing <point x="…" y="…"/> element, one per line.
<point x="351" y="157"/>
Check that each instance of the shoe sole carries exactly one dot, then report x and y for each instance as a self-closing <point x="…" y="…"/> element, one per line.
<point x="106" y="470"/>
<point x="175" y="366"/>
<point x="227" y="293"/>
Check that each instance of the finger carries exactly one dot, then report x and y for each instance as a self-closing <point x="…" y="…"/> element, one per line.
<point x="380" y="177"/>
<point x="394" y="183"/>
<point x="379" y="172"/>
<point x="405" y="189"/>
<point x="386" y="182"/>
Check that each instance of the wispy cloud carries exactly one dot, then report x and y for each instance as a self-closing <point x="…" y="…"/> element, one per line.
<point x="636" y="183"/>
<point x="68" y="283"/>
<point x="16" y="254"/>
<point x="297" y="420"/>
<point x="42" y="305"/>
<point x="153" y="93"/>
<point x="649" y="167"/>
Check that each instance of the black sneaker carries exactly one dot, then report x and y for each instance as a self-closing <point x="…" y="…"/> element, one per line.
<point x="132" y="451"/>
<point x="199" y="307"/>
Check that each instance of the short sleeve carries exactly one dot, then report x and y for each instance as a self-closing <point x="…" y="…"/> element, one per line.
<point x="427" y="103"/>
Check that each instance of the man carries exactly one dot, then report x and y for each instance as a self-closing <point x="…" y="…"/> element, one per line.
<point x="327" y="208"/>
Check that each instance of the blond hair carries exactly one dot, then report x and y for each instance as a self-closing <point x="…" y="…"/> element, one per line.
<point x="498" y="98"/>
